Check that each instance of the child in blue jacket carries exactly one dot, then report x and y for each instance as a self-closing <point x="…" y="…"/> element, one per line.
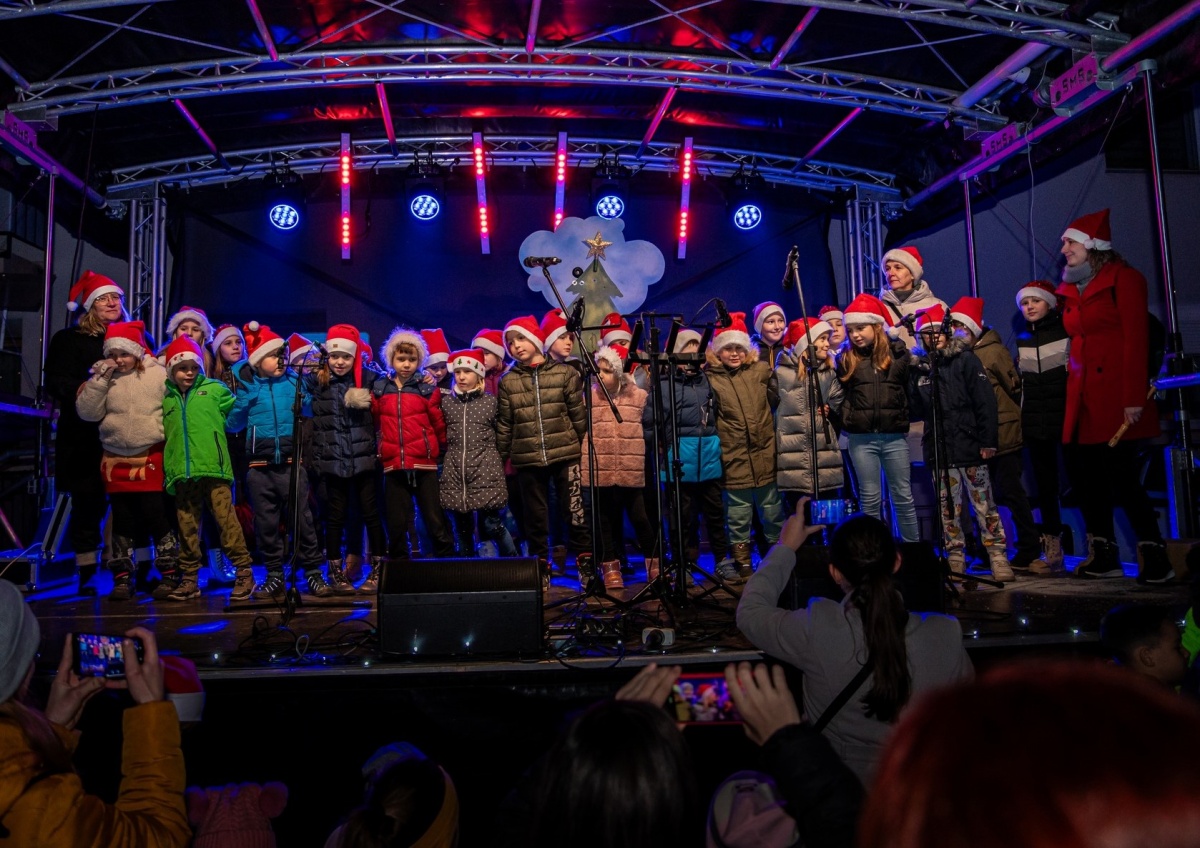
<point x="266" y="393"/>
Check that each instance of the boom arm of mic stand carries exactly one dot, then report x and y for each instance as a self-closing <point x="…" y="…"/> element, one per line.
<point x="589" y="364"/>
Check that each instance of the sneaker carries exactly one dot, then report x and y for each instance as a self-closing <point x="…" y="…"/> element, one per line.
<point x="271" y="589"/>
<point x="729" y="572"/>
<point x="487" y="549"/>
<point x="187" y="590"/>
<point x="338" y="580"/>
<point x="243" y="586"/>
<point x="1050" y="562"/>
<point x="122" y="588"/>
<point x="1105" y="561"/>
<point x="1154" y="567"/>
<point x="1001" y="570"/>
<point x="169" y="583"/>
<point x="315" y="581"/>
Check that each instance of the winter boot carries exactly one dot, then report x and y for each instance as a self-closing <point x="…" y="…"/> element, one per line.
<point x="271" y="589"/>
<point x="998" y="560"/>
<point x="741" y="555"/>
<point x="166" y="560"/>
<point x="1088" y="558"/>
<point x="187" y="590"/>
<point x="85" y="571"/>
<point x="121" y="566"/>
<point x="586" y="566"/>
<point x="558" y="559"/>
<point x="338" y="580"/>
<point x="1104" y="562"/>
<point x="243" y="586"/>
<point x="353" y="569"/>
<point x="1051" y="561"/>
<point x="612" y="574"/>
<point x="1153" y="565"/>
<point x="651" y="569"/>
<point x="315" y="583"/>
<point x="370" y="586"/>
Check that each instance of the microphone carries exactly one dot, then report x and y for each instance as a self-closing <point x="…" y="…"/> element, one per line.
<point x="575" y="317"/>
<point x="910" y="321"/>
<point x="789" y="280"/>
<point x="541" y="261"/>
<point x="946" y="328"/>
<point x="723" y="317"/>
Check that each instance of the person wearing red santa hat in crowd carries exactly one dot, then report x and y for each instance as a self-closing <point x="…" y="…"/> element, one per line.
<point x="125" y="395"/>
<point x="344" y="452"/>
<point x="192" y="321"/>
<point x="770" y="326"/>
<point x="436" y="369"/>
<point x="1104" y="307"/>
<point x="78" y="452"/>
<point x="745" y="394"/>
<point x="835" y="318"/>
<point x="1043" y="353"/>
<point x="874" y="374"/>
<point x="541" y="420"/>
<point x="491" y="342"/>
<point x="905" y="291"/>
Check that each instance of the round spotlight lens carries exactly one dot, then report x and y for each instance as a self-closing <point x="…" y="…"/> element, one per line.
<point x="425" y="207"/>
<point x="610" y="206"/>
<point x="747" y="217"/>
<point x="284" y="216"/>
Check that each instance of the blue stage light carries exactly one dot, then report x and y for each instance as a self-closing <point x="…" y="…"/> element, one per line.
<point x="284" y="216"/>
<point x="425" y="207"/>
<point x="747" y="216"/>
<point x="610" y="206"/>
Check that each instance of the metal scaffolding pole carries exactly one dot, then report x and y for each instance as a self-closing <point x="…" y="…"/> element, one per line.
<point x="972" y="269"/>
<point x="43" y="401"/>
<point x="147" y="255"/>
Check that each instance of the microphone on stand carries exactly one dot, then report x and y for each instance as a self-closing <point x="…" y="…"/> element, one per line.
<point x="541" y="261"/>
<point x="789" y="280"/>
<point x="575" y="317"/>
<point x="723" y="317"/>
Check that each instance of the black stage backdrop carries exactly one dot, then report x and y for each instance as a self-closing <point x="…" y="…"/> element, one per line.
<point x="232" y="263"/>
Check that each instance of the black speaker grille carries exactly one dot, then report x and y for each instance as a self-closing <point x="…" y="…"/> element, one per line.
<point x="419" y="576"/>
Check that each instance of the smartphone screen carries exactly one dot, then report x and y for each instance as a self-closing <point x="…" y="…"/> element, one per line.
<point x="702" y="698"/>
<point x="828" y="512"/>
<point x="100" y="655"/>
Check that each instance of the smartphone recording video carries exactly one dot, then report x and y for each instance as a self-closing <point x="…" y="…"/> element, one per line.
<point x="702" y="699"/>
<point x="99" y="655"/>
<point x="828" y="512"/>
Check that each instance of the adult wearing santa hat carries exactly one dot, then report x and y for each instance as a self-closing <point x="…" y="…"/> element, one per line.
<point x="98" y="302"/>
<point x="1105" y="313"/>
<point x="905" y="289"/>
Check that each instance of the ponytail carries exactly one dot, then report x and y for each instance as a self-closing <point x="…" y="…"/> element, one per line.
<point x="864" y="551"/>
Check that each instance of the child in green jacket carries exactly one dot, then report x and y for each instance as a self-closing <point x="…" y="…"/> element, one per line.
<point x="197" y="467"/>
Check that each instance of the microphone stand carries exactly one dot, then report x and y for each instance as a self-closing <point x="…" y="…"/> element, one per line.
<point x="792" y="276"/>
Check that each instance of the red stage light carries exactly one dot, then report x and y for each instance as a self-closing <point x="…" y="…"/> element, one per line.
<point x="685" y="196"/>
<point x="346" y="164"/>
<point x="485" y="243"/>
<point x="560" y="179"/>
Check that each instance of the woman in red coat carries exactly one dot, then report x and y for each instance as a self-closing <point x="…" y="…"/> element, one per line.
<point x="1105" y="314"/>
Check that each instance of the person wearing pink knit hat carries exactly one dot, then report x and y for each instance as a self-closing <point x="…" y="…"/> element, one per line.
<point x="1105" y="312"/>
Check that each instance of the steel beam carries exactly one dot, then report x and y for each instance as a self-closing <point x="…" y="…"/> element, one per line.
<point x="23" y="145"/>
<point x="968" y="217"/>
<point x="263" y="31"/>
<point x="663" y="105"/>
<point x="385" y="113"/>
<point x="14" y="75"/>
<point x="787" y="46"/>
<point x="15" y="11"/>
<point x="830" y="136"/>
<point x="531" y="31"/>
<point x="1184" y="15"/>
<point x="994" y="78"/>
<point x="199" y="130"/>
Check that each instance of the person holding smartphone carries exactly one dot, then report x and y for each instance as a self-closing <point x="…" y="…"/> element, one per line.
<point x="42" y="799"/>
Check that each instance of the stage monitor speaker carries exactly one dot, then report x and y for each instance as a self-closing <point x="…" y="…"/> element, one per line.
<point x="461" y="607"/>
<point x="919" y="578"/>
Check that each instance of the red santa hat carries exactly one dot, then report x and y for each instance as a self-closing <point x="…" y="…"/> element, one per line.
<point x="831" y="313"/>
<point x="190" y="313"/>
<point x="399" y="336"/>
<point x="801" y="328"/>
<point x="89" y="287"/>
<point x="867" y="309"/>
<point x="183" y="349"/>
<point x="436" y="344"/>
<point x="343" y="338"/>
<point x="490" y="341"/>
<point x="932" y="316"/>
<point x="1039" y="289"/>
<point x="125" y="336"/>
<point x="183" y="688"/>
<point x="298" y="348"/>
<point x="1092" y="231"/>
<point x="734" y="334"/>
<point x="528" y="327"/>
<point x="683" y="337"/>
<point x="225" y="331"/>
<point x="617" y="331"/>
<point x="615" y="355"/>
<point x="471" y="359"/>
<point x="553" y="326"/>
<point x="764" y="311"/>
<point x="968" y="311"/>
<point x="261" y="341"/>
<point x="909" y="257"/>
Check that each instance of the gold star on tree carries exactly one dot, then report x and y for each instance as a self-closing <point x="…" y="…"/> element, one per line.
<point x="596" y="246"/>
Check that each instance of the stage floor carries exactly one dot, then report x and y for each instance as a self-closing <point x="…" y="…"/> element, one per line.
<point x="341" y="636"/>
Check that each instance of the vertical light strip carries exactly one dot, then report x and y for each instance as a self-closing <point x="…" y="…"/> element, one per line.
<point x="560" y="178"/>
<point x="346" y="165"/>
<point x="485" y="231"/>
<point x="686" y="168"/>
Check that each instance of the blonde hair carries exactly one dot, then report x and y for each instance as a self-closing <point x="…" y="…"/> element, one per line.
<point x="90" y="324"/>
<point x="881" y="355"/>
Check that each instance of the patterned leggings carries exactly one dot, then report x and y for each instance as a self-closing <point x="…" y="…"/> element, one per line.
<point x="979" y="490"/>
<point x="191" y="498"/>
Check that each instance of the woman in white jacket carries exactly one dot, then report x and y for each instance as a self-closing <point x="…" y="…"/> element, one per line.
<point x="125" y="395"/>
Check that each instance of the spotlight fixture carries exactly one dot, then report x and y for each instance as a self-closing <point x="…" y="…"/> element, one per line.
<point x="424" y="184"/>
<point x="285" y="199"/>
<point x="745" y="198"/>
<point x="610" y="187"/>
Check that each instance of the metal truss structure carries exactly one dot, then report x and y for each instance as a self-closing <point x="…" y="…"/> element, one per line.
<point x="147" y="259"/>
<point x="864" y="244"/>
<point x="523" y="151"/>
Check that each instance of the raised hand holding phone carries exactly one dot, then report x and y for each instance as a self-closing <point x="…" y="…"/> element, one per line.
<point x="795" y="530"/>
<point x="762" y="697"/>
<point x="69" y="692"/>
<point x="143" y="679"/>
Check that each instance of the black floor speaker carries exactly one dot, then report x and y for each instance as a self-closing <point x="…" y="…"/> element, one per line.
<point x="461" y="607"/>
<point x="919" y="578"/>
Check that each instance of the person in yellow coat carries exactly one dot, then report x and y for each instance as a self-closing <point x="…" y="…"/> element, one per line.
<point x="42" y="800"/>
